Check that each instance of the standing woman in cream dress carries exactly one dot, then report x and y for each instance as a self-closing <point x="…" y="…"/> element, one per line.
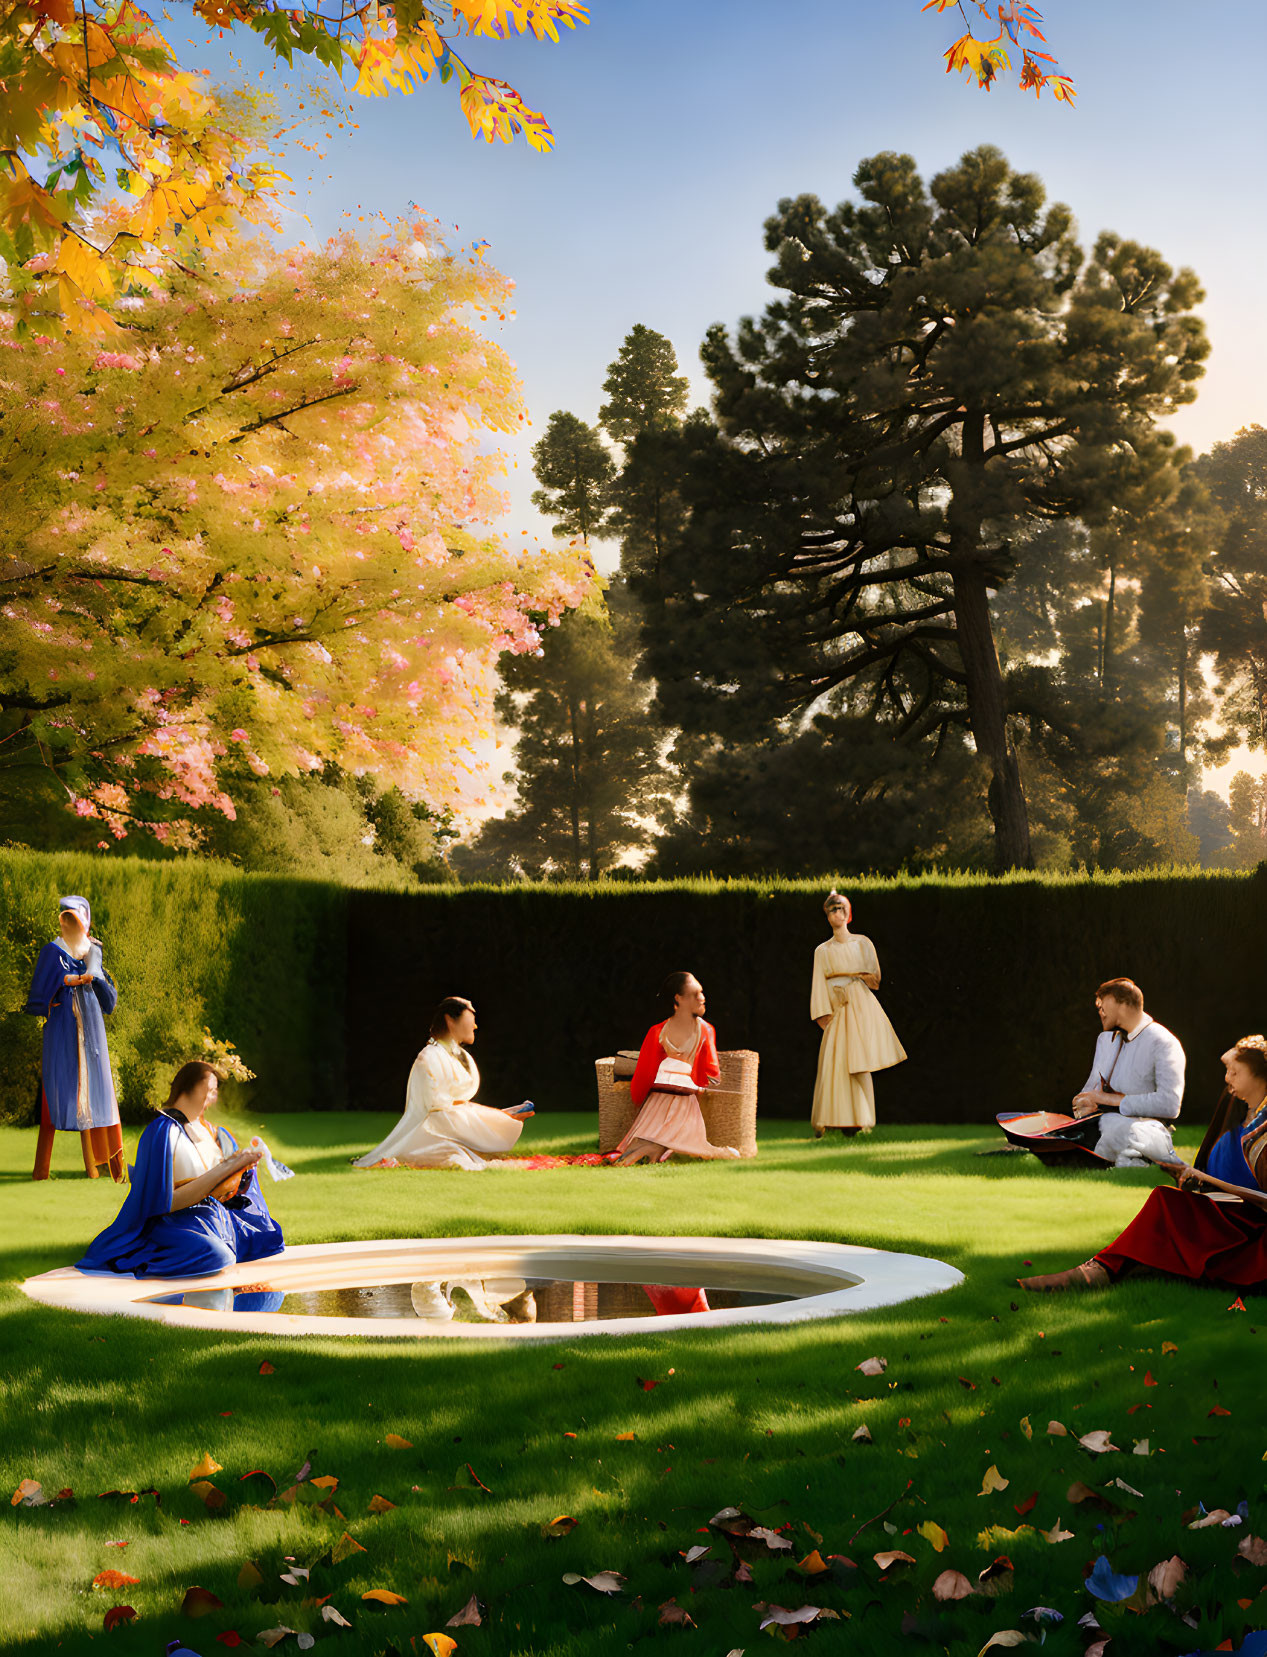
<point x="442" y="1126"/>
<point x="857" y="1036"/>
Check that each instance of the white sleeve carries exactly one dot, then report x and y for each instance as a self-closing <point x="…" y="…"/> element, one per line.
<point x="1092" y="1083"/>
<point x="423" y="1094"/>
<point x="1167" y="1095"/>
<point x="819" y="995"/>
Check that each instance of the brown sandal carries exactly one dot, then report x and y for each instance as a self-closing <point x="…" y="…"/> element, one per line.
<point x="1090" y="1275"/>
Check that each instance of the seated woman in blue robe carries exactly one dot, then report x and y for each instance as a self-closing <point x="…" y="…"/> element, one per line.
<point x="195" y="1204"/>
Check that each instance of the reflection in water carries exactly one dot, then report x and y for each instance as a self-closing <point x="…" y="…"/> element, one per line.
<point x="486" y="1300"/>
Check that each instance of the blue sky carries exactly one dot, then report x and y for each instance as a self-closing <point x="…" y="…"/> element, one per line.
<point x="680" y="125"/>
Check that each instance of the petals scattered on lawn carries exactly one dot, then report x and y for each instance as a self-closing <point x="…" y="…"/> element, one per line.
<point x="199" y="1601"/>
<point x="952" y="1585"/>
<point x="384" y="1597"/>
<point x="470" y="1616"/>
<point x="1107" y="1584"/>
<point x="992" y="1481"/>
<point x="933" y="1534"/>
<point x="872" y="1366"/>
<point x="205" y="1468"/>
<point x="114" y="1579"/>
<point x="564" y="1525"/>
<point x="116" y="1616"/>
<point x="602" y="1582"/>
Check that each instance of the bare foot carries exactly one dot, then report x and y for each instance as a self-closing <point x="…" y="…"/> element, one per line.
<point x="1090" y="1275"/>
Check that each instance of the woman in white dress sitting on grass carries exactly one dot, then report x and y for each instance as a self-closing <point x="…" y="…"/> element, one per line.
<point x="442" y="1126"/>
<point x="857" y="1036"/>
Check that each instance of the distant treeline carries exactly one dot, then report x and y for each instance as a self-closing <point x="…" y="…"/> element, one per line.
<point x="326" y="991"/>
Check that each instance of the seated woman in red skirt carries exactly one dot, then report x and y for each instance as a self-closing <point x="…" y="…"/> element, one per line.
<point x="678" y="1058"/>
<point x="1185" y="1233"/>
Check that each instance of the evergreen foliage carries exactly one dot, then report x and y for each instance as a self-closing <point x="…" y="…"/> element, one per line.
<point x="575" y="471"/>
<point x="193" y="945"/>
<point x="943" y="373"/>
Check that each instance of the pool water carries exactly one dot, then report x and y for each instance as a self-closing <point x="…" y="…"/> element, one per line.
<point x="484" y="1300"/>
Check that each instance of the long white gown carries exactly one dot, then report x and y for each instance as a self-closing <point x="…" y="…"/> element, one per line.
<point x="859" y="1038"/>
<point x="442" y="1126"/>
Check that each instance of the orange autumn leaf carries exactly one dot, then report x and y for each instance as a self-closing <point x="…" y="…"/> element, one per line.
<point x="379" y="1504"/>
<point x="199" y="1601"/>
<point x="394" y="1441"/>
<point x="117" y="1615"/>
<point x="626" y="1438"/>
<point x="1148" y="1378"/>
<point x="385" y="1597"/>
<point x="114" y="1579"/>
<point x="205" y="1468"/>
<point x="563" y="1525"/>
<point x="266" y="1368"/>
<point x="1218" y="1410"/>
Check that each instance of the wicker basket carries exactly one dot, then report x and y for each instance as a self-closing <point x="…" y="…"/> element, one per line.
<point x="729" y="1109"/>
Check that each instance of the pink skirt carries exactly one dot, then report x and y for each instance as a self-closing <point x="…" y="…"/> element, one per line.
<point x="675" y="1121"/>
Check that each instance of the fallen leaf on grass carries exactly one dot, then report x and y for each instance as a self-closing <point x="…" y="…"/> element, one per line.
<point x="274" y="1636"/>
<point x="564" y="1525"/>
<point x="1121" y="1484"/>
<point x="230" y="1637"/>
<point x="30" y="1493"/>
<point x="933" y="1534"/>
<point x="993" y="1480"/>
<point x="266" y="1368"/>
<point x="1148" y="1378"/>
<point x="1252" y="1548"/>
<point x="379" y="1504"/>
<point x="440" y="1645"/>
<point x="1165" y="1578"/>
<point x="602" y="1582"/>
<point x="1004" y="1637"/>
<point x="1141" y="1448"/>
<point x="673" y="1616"/>
<point x="470" y="1616"/>
<point x="952" y="1585"/>
<point x="114" y="1579"/>
<point x="1168" y="1346"/>
<point x="116" y="1616"/>
<point x="344" y="1548"/>
<point x="394" y="1441"/>
<point x="1216" y="1516"/>
<point x="1218" y="1410"/>
<point x="1080" y="1492"/>
<point x="250" y="1577"/>
<point x="894" y="1556"/>
<point x="872" y="1366"/>
<point x="812" y="1565"/>
<point x="1027" y="1506"/>
<point x="212" y="1498"/>
<point x="626" y="1438"/>
<point x="466" y="1478"/>
<point x="649" y="1386"/>
<point x="1055" y="1430"/>
<point x="1045" y="1615"/>
<point x="1025" y="1427"/>
<point x="1107" y="1584"/>
<point x="862" y="1435"/>
<point x="330" y="1614"/>
<point x="699" y="1551"/>
<point x="117" y="1544"/>
<point x="778" y="1616"/>
<point x="199" y="1601"/>
<point x="296" y="1576"/>
<point x="1098" y="1442"/>
<point x="965" y="1382"/>
<point x="204" y="1468"/>
<point x="1055" y="1534"/>
<point x="384" y="1598"/>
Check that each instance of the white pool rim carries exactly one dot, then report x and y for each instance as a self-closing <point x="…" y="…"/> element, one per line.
<point x="829" y="1279"/>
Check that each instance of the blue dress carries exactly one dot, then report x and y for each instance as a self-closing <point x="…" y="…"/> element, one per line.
<point x="1227" y="1160"/>
<point x="148" y="1240"/>
<point x="76" y="1061"/>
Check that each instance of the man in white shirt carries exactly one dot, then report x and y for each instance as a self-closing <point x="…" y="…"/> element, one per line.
<point x="1136" y="1079"/>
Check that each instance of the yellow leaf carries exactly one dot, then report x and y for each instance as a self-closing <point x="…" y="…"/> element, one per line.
<point x="394" y="1441"/>
<point x="993" y="1480"/>
<point x="1004" y="1637"/>
<point x="384" y="1596"/>
<point x="205" y="1468"/>
<point x="344" y="1548"/>
<point x="440" y="1644"/>
<point x="813" y="1564"/>
<point x="1168" y="1346"/>
<point x="1026" y="1428"/>
<point x="933" y="1534"/>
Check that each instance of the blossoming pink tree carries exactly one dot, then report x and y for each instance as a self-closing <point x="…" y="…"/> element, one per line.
<point x="255" y="536"/>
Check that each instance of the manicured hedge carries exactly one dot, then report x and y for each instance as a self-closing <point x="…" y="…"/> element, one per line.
<point x="327" y="991"/>
<point x="989" y="983"/>
<point x="257" y="959"/>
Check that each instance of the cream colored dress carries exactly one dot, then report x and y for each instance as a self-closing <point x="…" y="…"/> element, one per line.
<point x="442" y="1126"/>
<point x="859" y="1038"/>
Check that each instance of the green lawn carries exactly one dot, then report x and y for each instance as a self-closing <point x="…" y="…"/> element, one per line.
<point x="762" y="1421"/>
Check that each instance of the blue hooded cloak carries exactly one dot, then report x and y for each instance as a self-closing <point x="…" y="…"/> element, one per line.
<point x="75" y="1071"/>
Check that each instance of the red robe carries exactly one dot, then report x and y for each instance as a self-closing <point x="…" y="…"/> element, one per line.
<point x="1189" y="1236"/>
<point x="704" y="1066"/>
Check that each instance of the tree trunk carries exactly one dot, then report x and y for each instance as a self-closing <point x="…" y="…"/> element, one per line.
<point x="574" y="790"/>
<point x="987" y="715"/>
<point x="1106" y="657"/>
<point x="1183" y="696"/>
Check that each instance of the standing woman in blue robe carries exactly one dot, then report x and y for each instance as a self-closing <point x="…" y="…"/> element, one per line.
<point x="72" y="992"/>
<point x="195" y="1204"/>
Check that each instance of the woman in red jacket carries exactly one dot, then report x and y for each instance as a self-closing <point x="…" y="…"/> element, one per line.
<point x="677" y="1059"/>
